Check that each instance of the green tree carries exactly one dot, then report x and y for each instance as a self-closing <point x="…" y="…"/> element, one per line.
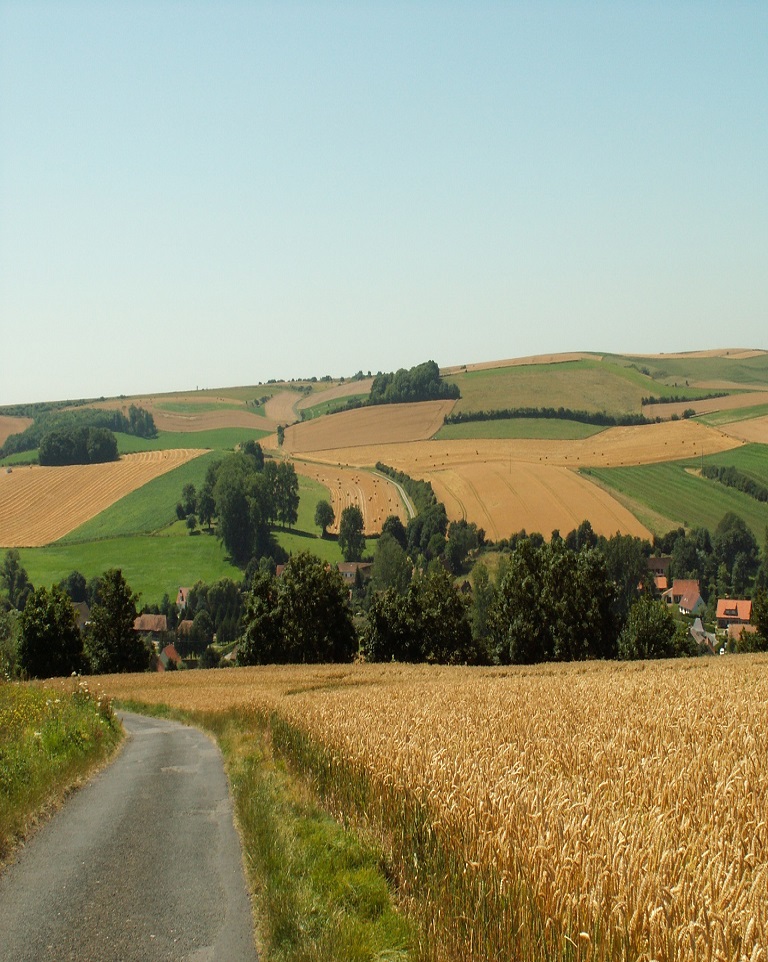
<point x="14" y="580"/>
<point x="759" y="640"/>
<point x="75" y="586"/>
<point x="9" y="642"/>
<point x="189" y="499"/>
<point x="111" y="644"/>
<point x="391" y="567"/>
<point x="50" y="642"/>
<point x="300" y="617"/>
<point x="351" y="538"/>
<point x="324" y="516"/>
<point x="191" y="523"/>
<point x="483" y="594"/>
<point x="287" y="495"/>
<point x="733" y="540"/>
<point x="650" y="631"/>
<point x="394" y="526"/>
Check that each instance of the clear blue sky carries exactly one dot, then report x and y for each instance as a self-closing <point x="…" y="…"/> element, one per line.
<point x="216" y="193"/>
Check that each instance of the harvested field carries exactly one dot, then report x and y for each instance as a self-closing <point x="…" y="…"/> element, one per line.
<point x="589" y="812"/>
<point x="39" y="505"/>
<point x="754" y="429"/>
<point x="503" y="499"/>
<point x="520" y="362"/>
<point x="348" y="389"/>
<point x="505" y="485"/>
<point x="708" y="405"/>
<point x="281" y="407"/>
<point x="734" y="353"/>
<point x="376" y="496"/>
<point x="380" y="424"/>
<point x="11" y="425"/>
<point x="645" y="444"/>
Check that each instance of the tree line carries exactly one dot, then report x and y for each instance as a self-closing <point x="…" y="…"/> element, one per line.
<point x="733" y="478"/>
<point x="600" y="418"/>
<point x="419" y="383"/>
<point x="77" y="445"/>
<point x="138" y="422"/>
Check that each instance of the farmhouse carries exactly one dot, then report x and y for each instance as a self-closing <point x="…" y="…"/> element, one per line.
<point x="686" y="595"/>
<point x="182" y="598"/>
<point x="349" y="571"/>
<point x="155" y="626"/>
<point x="733" y="611"/>
<point x="169" y="658"/>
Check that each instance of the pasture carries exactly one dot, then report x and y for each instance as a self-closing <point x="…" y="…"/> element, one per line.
<point x="706" y="369"/>
<point x="549" y="428"/>
<point x="217" y="439"/>
<point x="153" y="565"/>
<point x="579" y="812"/>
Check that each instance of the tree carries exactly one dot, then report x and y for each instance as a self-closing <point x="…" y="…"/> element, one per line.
<point x="351" y="538"/>
<point x="300" y="617"/>
<point x="9" y="642"/>
<point x="428" y="623"/>
<point x="112" y="645"/>
<point x="759" y="640"/>
<point x="650" y="632"/>
<point x="191" y="523"/>
<point x="391" y="567"/>
<point x="626" y="560"/>
<point x="14" y="580"/>
<point x="50" y="642"/>
<point x="324" y="516"/>
<point x="733" y="540"/>
<point x="75" y="586"/>
<point x="394" y="526"/>
<point x="189" y="499"/>
<point x="287" y="494"/>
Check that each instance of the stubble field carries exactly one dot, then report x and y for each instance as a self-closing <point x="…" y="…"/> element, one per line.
<point x="584" y="812"/>
<point x="39" y="505"/>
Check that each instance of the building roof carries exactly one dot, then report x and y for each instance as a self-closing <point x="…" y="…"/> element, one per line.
<point x="734" y="609"/>
<point x="661" y="582"/>
<point x="691" y="599"/>
<point x="184" y="627"/>
<point x="735" y="631"/>
<point x="150" y="623"/>
<point x="659" y="565"/>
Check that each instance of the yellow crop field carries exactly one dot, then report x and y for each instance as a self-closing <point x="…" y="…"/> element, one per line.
<point x="381" y="424"/>
<point x="587" y="812"/>
<point x="504" y="498"/>
<point x="38" y="505"/>
<point x="375" y="495"/>
<point x="193" y="412"/>
<point x="751" y="430"/>
<point x="708" y="405"/>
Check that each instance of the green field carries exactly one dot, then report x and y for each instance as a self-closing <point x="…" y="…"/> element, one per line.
<point x="717" y="418"/>
<point x="553" y="429"/>
<point x="141" y="535"/>
<point x="153" y="565"/>
<point x="330" y="407"/>
<point x="588" y="385"/>
<point x="749" y="371"/>
<point x="146" y="510"/>
<point x="219" y="439"/>
<point x="674" y="492"/>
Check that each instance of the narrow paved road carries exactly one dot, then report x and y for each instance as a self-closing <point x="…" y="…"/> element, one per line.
<point x="142" y="864"/>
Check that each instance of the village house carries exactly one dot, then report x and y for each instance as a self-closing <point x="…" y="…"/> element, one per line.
<point x="733" y="611"/>
<point x="152" y="626"/>
<point x="349" y="569"/>
<point x="169" y="659"/>
<point x="686" y="595"/>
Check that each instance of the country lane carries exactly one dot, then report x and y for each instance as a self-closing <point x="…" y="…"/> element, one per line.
<point x="142" y="864"/>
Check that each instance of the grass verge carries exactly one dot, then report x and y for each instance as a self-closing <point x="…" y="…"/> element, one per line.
<point x="320" y="889"/>
<point x="50" y="739"/>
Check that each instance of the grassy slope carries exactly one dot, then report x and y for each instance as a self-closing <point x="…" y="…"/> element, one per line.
<point x="695" y="369"/>
<point x="329" y="407"/>
<point x="677" y="494"/>
<point x="220" y="439"/>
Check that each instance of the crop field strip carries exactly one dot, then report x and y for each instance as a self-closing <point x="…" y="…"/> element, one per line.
<point x="39" y="505"/>
<point x="12" y="425"/>
<point x="730" y="402"/>
<point x="586" y="812"/>
<point x="375" y="495"/>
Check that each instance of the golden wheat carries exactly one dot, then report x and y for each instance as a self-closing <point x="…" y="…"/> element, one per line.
<point x="586" y="812"/>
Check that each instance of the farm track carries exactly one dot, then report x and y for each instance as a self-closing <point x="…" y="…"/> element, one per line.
<point x="39" y="505"/>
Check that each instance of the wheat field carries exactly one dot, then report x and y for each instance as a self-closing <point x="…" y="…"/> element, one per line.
<point x="585" y="812"/>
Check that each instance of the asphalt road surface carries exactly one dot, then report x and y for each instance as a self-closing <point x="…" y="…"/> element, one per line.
<point x="142" y="864"/>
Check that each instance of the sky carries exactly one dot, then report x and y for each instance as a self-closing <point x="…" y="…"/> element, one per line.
<point x="207" y="194"/>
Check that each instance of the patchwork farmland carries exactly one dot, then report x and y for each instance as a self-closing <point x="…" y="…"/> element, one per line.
<point x="40" y="505"/>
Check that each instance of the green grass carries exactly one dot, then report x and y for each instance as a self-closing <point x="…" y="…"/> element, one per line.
<point x="590" y="385"/>
<point x="219" y="439"/>
<point x="549" y="428"/>
<point x="717" y="418"/>
<point x="676" y="494"/>
<point x="752" y="459"/>
<point x="331" y="406"/>
<point x="49" y="739"/>
<point x="146" y="510"/>
<point x="747" y="372"/>
<point x="153" y="565"/>
<point x="196" y="407"/>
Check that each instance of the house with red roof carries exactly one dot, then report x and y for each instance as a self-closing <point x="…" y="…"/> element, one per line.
<point x="733" y="611"/>
<point x="686" y="595"/>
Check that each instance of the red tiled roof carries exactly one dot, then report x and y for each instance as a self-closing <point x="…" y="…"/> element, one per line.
<point x="734" y="609"/>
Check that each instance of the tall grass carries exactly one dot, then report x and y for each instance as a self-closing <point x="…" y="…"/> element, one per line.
<point x="49" y="738"/>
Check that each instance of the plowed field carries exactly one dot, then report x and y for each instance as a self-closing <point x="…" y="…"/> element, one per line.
<point x="753" y="429"/>
<point x="381" y="424"/>
<point x="333" y="393"/>
<point x="376" y="497"/>
<point x="728" y="403"/>
<point x="40" y="505"/>
<point x="281" y="407"/>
